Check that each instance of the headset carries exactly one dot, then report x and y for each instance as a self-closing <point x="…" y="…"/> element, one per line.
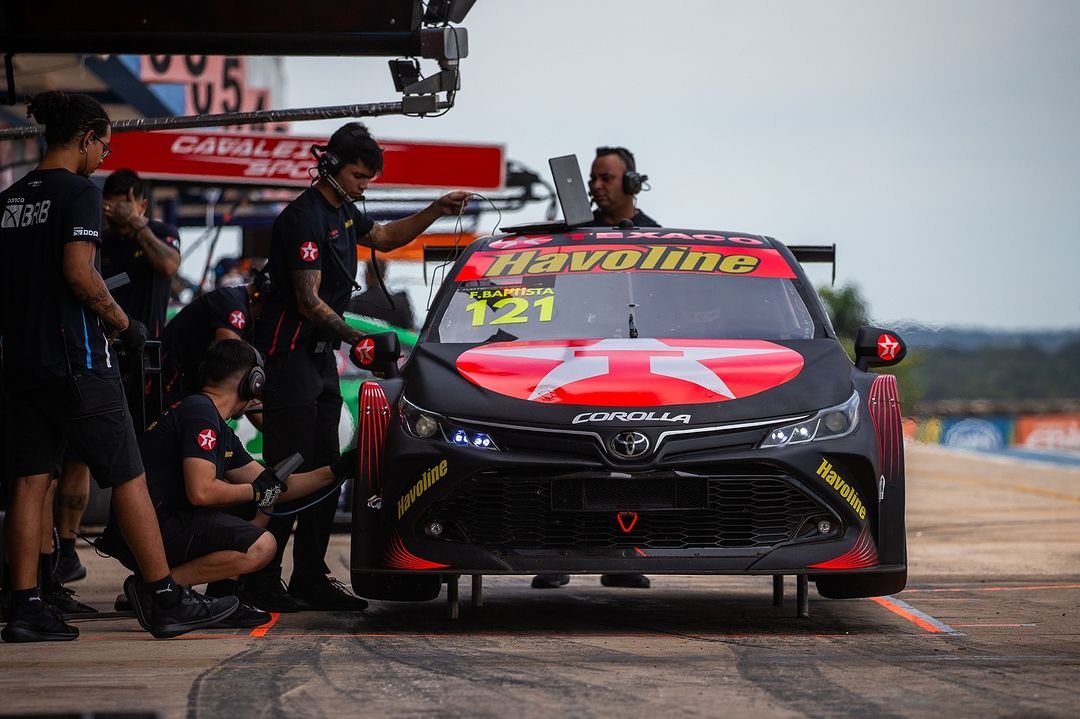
<point x="632" y="181"/>
<point x="254" y="380"/>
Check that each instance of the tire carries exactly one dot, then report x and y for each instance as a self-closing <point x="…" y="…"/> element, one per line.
<point x="397" y="587"/>
<point x="857" y="586"/>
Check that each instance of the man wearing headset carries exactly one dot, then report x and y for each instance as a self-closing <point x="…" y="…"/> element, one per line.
<point x="614" y="184"/>
<point x="206" y="488"/>
<point x="312" y="268"/>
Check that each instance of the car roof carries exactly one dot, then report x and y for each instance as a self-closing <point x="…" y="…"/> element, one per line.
<point x="559" y="234"/>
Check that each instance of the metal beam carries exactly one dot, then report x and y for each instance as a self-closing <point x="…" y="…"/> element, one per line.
<point x="129" y="88"/>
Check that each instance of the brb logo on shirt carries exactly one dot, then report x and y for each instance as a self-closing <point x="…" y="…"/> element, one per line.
<point x="17" y="214"/>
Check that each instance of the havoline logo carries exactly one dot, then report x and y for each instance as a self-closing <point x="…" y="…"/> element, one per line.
<point x="640" y="372"/>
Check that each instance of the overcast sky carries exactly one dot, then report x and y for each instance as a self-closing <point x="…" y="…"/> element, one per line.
<point x="936" y="142"/>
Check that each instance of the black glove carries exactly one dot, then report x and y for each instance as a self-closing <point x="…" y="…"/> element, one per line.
<point x="345" y="466"/>
<point x="133" y="337"/>
<point x="267" y="487"/>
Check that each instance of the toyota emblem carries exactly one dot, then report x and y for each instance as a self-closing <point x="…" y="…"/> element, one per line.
<point x="629" y="445"/>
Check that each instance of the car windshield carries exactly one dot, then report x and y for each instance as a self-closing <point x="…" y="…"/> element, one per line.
<point x="589" y="305"/>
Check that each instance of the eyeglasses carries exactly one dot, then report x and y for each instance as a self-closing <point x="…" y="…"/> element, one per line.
<point x="105" y="149"/>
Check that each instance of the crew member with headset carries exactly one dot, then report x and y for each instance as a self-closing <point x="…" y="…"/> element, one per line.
<point x="614" y="184"/>
<point x="206" y="487"/>
<point x="227" y="313"/>
<point x="312" y="269"/>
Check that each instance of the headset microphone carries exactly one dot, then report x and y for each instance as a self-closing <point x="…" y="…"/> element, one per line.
<point x="328" y="165"/>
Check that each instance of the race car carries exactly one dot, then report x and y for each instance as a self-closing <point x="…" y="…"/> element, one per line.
<point x="628" y="400"/>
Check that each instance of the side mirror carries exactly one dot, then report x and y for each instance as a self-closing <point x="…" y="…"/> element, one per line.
<point x="377" y="353"/>
<point x="875" y="347"/>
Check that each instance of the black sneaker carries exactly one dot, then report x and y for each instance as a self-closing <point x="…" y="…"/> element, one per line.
<point x="550" y="581"/>
<point x="245" y="617"/>
<point x="626" y="581"/>
<point x="45" y="625"/>
<point x="123" y="604"/>
<point x="69" y="569"/>
<point x="269" y="593"/>
<point x="323" y="592"/>
<point x="193" y="611"/>
<point x="64" y="601"/>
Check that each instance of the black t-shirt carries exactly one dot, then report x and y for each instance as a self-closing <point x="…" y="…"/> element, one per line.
<point x="640" y="219"/>
<point x="188" y="335"/>
<point x="47" y="331"/>
<point x="146" y="296"/>
<point x="308" y="235"/>
<point x="190" y="428"/>
<point x="372" y="303"/>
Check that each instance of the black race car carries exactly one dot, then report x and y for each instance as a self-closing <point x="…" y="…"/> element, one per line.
<point x="606" y="400"/>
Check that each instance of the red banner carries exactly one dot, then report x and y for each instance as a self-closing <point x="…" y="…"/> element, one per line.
<point x="285" y="160"/>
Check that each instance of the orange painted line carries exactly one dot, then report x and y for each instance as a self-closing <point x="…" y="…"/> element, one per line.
<point x="261" y="630"/>
<point x="913" y="615"/>
<point x="996" y="589"/>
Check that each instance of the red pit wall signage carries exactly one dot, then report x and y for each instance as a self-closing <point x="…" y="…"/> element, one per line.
<point x="1048" y="431"/>
<point x="565" y="259"/>
<point x="275" y="159"/>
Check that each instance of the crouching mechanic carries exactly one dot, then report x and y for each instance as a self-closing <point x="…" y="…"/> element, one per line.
<point x="206" y="488"/>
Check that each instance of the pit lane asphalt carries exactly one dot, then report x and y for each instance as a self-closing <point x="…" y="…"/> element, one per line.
<point x="989" y="626"/>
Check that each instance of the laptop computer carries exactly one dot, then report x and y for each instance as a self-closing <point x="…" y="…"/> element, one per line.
<point x="574" y="200"/>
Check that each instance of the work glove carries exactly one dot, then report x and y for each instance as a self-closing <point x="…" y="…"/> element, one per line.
<point x="133" y="337"/>
<point x="267" y="488"/>
<point x="345" y="466"/>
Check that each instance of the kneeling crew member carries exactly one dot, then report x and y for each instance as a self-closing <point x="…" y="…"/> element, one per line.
<point x="206" y="487"/>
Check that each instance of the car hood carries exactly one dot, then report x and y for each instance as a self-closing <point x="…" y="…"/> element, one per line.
<point x="647" y="381"/>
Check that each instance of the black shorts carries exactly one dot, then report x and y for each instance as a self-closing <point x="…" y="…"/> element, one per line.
<point x="302" y="408"/>
<point x="190" y="536"/>
<point x="86" y="413"/>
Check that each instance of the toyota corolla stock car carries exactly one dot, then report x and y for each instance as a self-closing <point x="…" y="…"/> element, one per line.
<point x="602" y="400"/>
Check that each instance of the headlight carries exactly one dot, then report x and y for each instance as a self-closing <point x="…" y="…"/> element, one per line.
<point x="423" y="424"/>
<point x="829" y="423"/>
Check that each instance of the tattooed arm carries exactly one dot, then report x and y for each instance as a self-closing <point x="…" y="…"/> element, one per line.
<point x="313" y="309"/>
<point x="85" y="281"/>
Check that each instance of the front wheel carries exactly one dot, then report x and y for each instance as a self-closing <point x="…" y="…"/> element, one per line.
<point x="856" y="586"/>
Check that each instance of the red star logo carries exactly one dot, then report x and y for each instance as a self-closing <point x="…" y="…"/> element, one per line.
<point x="365" y="351"/>
<point x="207" y="439"/>
<point x="237" y="319"/>
<point x="309" y="251"/>
<point x="513" y="242"/>
<point x="887" y="347"/>
<point x="630" y="372"/>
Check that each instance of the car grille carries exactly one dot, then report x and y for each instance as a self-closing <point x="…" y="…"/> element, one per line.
<point x="673" y="512"/>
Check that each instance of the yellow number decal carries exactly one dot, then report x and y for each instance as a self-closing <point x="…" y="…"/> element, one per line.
<point x="546" y="305"/>
<point x="477" y="309"/>
<point x="517" y="306"/>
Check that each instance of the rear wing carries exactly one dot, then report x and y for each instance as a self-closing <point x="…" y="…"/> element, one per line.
<point x="816" y="253"/>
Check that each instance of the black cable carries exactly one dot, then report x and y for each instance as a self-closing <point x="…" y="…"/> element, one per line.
<point x="309" y="505"/>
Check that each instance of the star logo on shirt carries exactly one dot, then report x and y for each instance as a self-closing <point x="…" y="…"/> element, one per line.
<point x="237" y="319"/>
<point x="887" y="347"/>
<point x="309" y="251"/>
<point x="207" y="439"/>
<point x="630" y="372"/>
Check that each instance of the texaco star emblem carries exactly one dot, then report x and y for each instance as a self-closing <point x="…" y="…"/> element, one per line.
<point x="630" y="372"/>
<point x="237" y="319"/>
<point x="309" y="251"/>
<point x="207" y="439"/>
<point x="365" y="351"/>
<point x="887" y="347"/>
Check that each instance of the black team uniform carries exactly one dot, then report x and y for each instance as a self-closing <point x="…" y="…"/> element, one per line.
<point x="190" y="428"/>
<point x="302" y="401"/>
<point x="191" y="332"/>
<point x="146" y="296"/>
<point x="640" y="219"/>
<point x="63" y="384"/>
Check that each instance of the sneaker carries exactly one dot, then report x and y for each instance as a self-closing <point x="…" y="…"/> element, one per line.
<point x="45" y="625"/>
<point x="245" y="617"/>
<point x="550" y="581"/>
<point x="625" y="581"/>
<point x="69" y="569"/>
<point x="323" y="592"/>
<point x="269" y="593"/>
<point x="193" y="611"/>
<point x="123" y="604"/>
<point x="64" y="601"/>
